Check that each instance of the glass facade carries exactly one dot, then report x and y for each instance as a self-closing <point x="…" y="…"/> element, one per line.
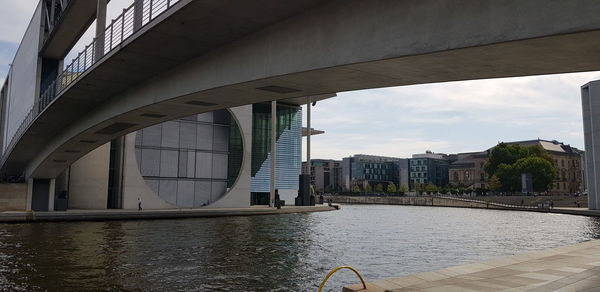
<point x="428" y="170"/>
<point x="288" y="150"/>
<point x="192" y="161"/>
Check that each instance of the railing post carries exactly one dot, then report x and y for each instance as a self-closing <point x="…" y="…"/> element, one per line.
<point x="111" y="37"/>
<point x="85" y="57"/>
<point x="123" y="25"/>
<point x="138" y="14"/>
<point x="150" y="12"/>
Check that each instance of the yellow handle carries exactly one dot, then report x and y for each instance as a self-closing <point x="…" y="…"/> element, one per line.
<point x="337" y="269"/>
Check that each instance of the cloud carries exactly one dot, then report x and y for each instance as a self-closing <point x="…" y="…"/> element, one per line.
<point x="451" y="117"/>
<point x="14" y="19"/>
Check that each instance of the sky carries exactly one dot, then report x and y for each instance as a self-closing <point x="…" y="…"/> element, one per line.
<point x="450" y="117"/>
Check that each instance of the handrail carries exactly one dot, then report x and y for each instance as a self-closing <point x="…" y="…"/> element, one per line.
<point x="337" y="269"/>
<point x="119" y="30"/>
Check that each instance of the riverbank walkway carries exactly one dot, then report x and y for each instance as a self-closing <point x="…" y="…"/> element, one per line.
<point x="569" y="268"/>
<point x="119" y="214"/>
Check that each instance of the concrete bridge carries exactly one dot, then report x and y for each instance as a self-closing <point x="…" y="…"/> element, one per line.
<point x="164" y="59"/>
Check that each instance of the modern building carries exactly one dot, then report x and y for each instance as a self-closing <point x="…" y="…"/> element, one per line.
<point x="428" y="168"/>
<point x="216" y="159"/>
<point x="362" y="170"/>
<point x="467" y="169"/>
<point x="326" y="174"/>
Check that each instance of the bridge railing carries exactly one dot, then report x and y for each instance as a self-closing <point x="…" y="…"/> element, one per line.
<point x="119" y="30"/>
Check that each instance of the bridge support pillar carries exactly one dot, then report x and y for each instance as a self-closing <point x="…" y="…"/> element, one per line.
<point x="590" y="101"/>
<point x="273" y="151"/>
<point x="100" y="27"/>
<point x="40" y="194"/>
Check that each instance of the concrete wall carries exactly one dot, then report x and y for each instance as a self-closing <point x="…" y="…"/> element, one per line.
<point x="88" y="183"/>
<point x="590" y="101"/>
<point x="13" y="197"/>
<point x="23" y="77"/>
<point x="134" y="186"/>
<point x="239" y="194"/>
<point x="413" y="201"/>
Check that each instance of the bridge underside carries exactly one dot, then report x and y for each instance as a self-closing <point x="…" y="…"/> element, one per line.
<point x="204" y="62"/>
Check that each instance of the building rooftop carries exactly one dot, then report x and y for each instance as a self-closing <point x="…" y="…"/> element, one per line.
<point x="548" y="145"/>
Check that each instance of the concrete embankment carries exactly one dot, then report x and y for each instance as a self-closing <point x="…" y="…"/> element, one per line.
<point x="101" y="215"/>
<point x="433" y="201"/>
<point x="405" y="200"/>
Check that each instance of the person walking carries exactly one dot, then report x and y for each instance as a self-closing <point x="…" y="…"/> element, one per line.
<point x="139" y="204"/>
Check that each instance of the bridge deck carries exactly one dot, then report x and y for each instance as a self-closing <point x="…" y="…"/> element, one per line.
<point x="569" y="268"/>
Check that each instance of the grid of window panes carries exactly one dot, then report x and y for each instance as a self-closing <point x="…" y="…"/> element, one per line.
<point x="187" y="162"/>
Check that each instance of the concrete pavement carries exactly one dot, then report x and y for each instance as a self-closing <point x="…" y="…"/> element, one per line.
<point x="119" y="214"/>
<point x="569" y="268"/>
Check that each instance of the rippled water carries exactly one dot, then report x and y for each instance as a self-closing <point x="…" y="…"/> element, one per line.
<point x="270" y="253"/>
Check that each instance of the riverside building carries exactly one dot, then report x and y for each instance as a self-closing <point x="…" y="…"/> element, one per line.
<point x="428" y="168"/>
<point x="217" y="159"/>
<point x="362" y="170"/>
<point x="326" y="175"/>
<point x="467" y="169"/>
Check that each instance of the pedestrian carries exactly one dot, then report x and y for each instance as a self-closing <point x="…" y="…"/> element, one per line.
<point x="551" y="204"/>
<point x="522" y="202"/>
<point x="139" y="204"/>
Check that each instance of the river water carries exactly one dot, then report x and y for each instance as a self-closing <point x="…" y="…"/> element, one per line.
<point x="270" y="253"/>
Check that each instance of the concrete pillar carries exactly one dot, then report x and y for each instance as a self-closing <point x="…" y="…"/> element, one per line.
<point x="51" y="193"/>
<point x="590" y="101"/>
<point x="100" y="27"/>
<point x="29" y="194"/>
<point x="273" y="150"/>
<point x="138" y="14"/>
<point x="308" y="166"/>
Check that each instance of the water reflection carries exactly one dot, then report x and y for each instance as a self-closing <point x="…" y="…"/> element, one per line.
<point x="270" y="253"/>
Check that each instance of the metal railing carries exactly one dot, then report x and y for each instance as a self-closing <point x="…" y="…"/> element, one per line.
<point x="362" y="281"/>
<point x="489" y="203"/>
<point x="119" y="30"/>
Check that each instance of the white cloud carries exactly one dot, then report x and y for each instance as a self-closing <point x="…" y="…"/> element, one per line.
<point x="451" y="117"/>
<point x="14" y="18"/>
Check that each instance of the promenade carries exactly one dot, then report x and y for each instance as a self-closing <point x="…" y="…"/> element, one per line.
<point x="439" y="201"/>
<point x="569" y="268"/>
<point x="119" y="214"/>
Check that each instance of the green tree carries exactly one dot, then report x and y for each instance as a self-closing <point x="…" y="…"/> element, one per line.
<point x="444" y="190"/>
<point x="508" y="162"/>
<point x="356" y="189"/>
<point x="431" y="188"/>
<point x="391" y="187"/>
<point x="539" y="151"/>
<point x="368" y="188"/>
<point x="542" y="171"/>
<point x="503" y="154"/>
<point x="379" y="188"/>
<point x="494" y="183"/>
<point x="418" y="188"/>
<point x="403" y="189"/>
<point x="509" y="179"/>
